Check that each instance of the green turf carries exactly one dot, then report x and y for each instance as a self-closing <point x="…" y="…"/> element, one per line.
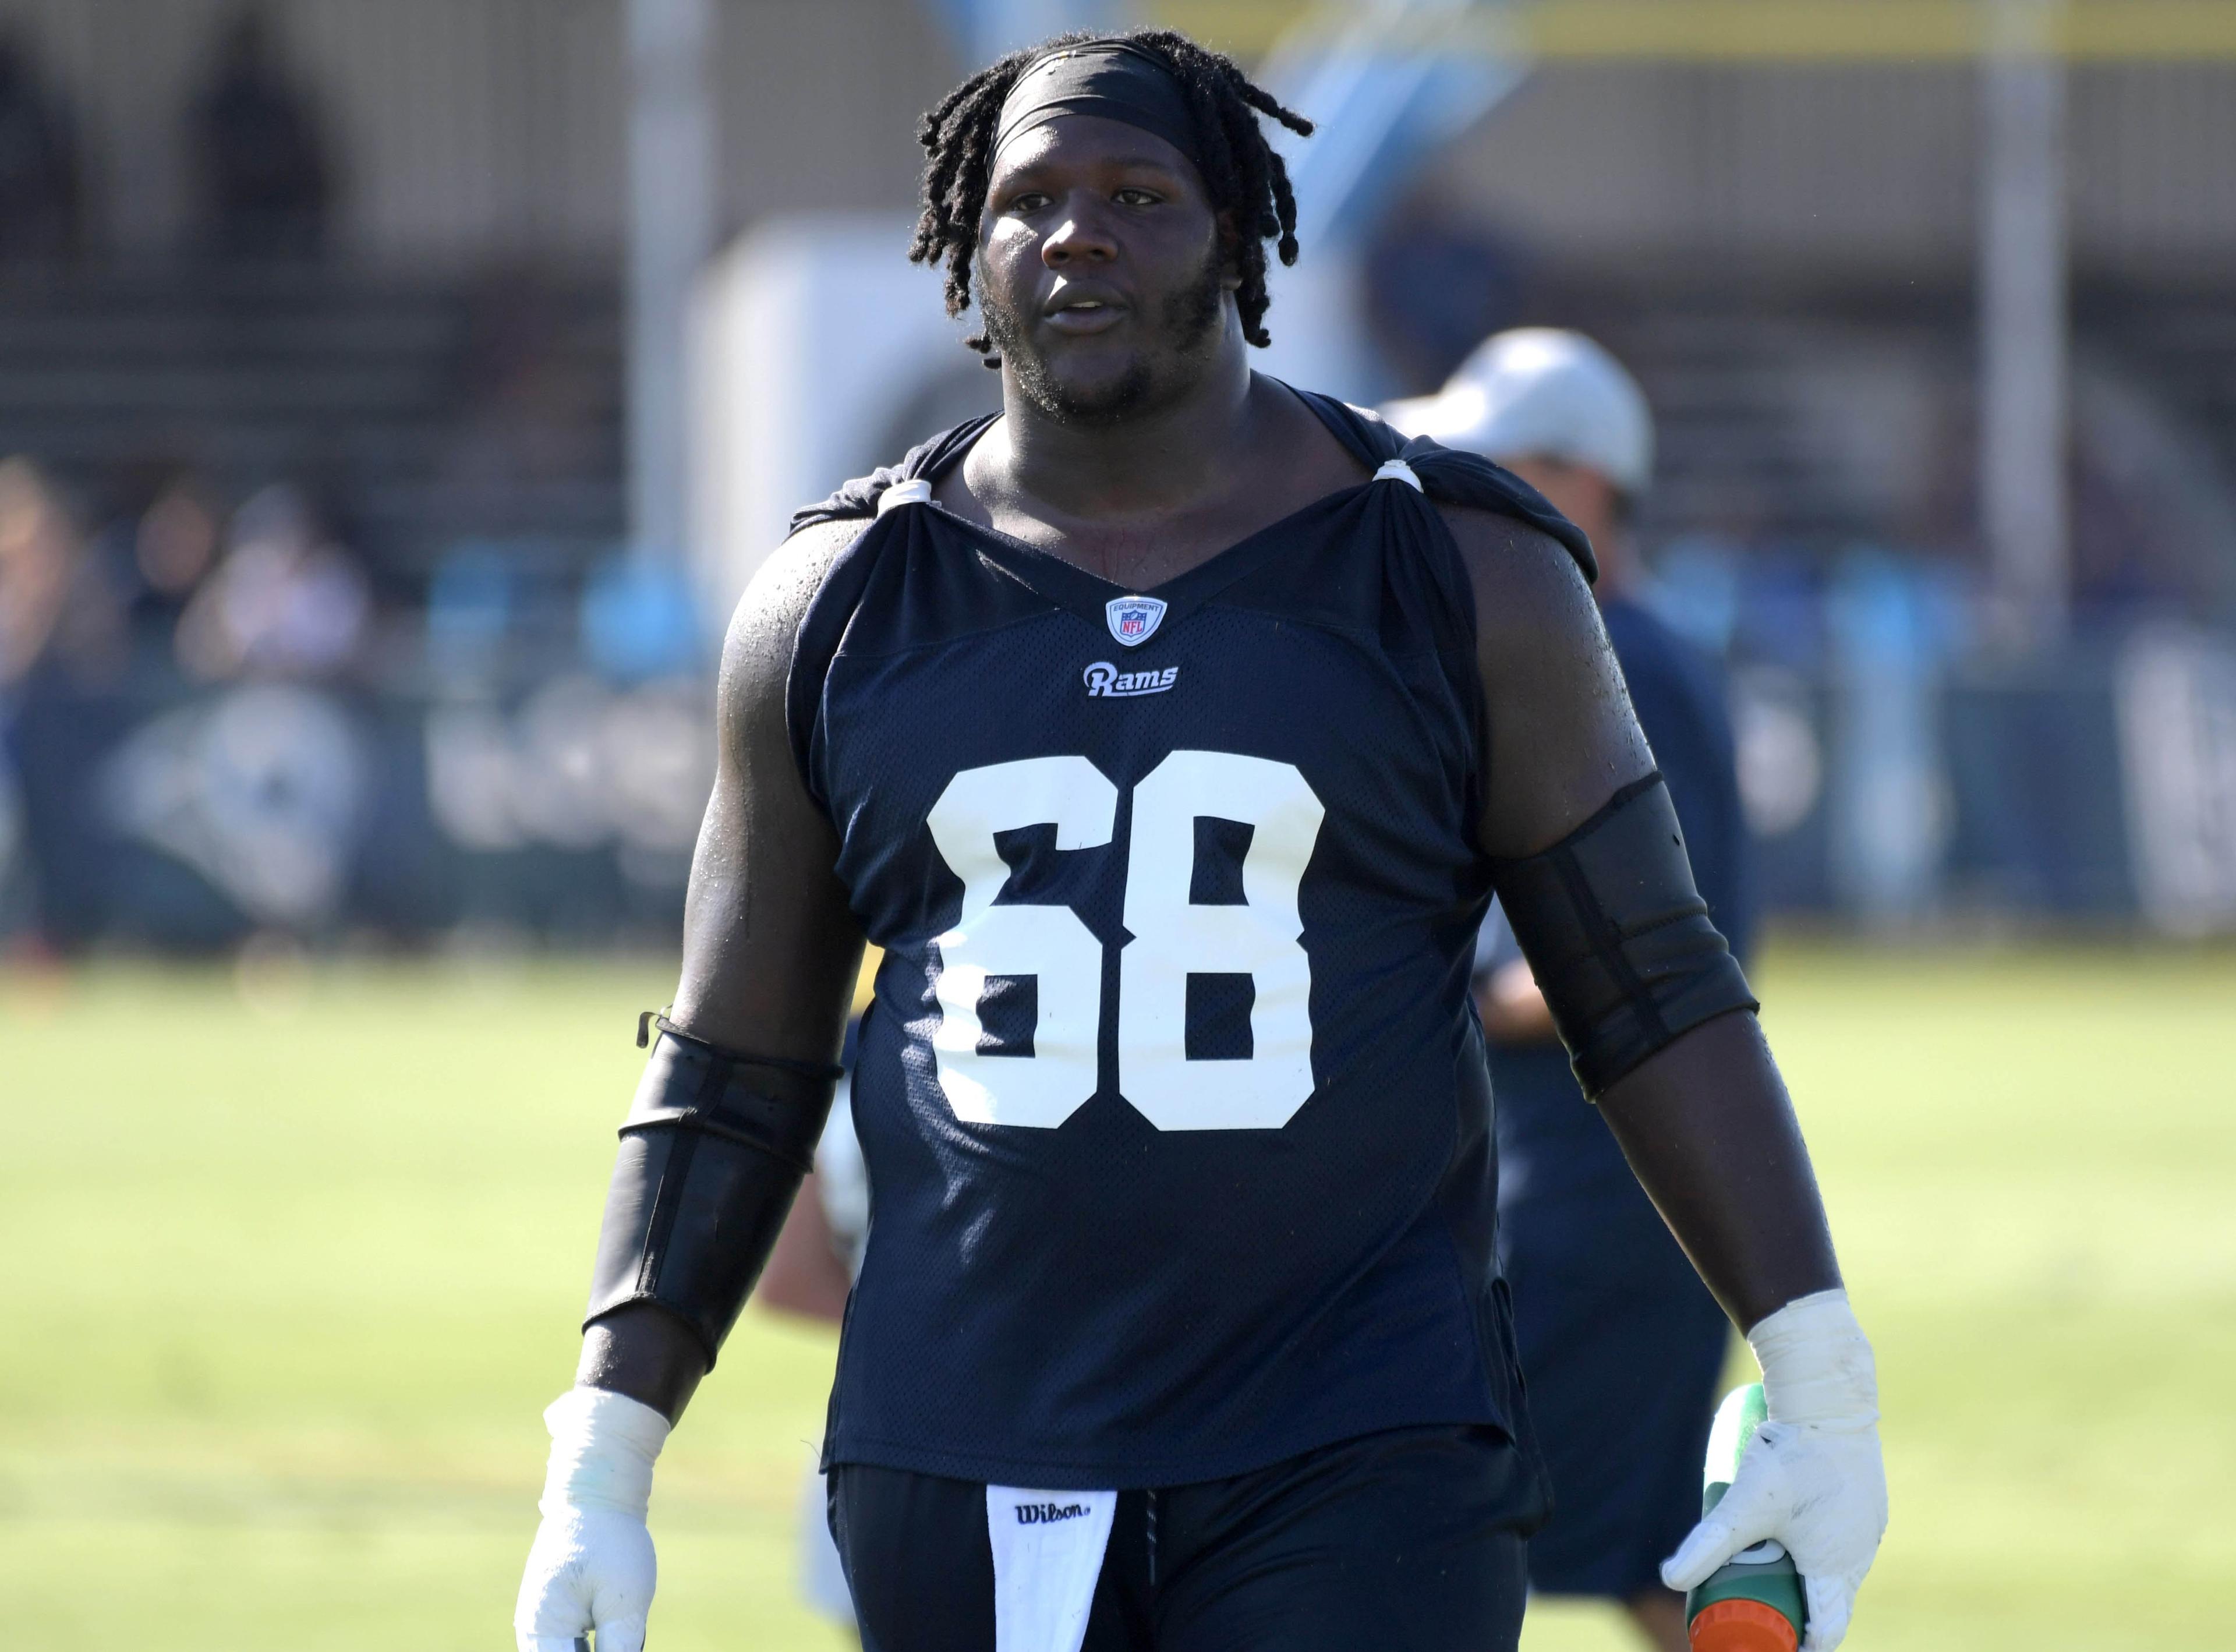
<point x="289" y="1276"/>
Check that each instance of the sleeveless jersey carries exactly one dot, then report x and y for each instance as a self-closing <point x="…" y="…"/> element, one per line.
<point x="1174" y="1109"/>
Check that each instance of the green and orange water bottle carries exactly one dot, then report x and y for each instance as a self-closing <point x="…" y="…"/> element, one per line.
<point x="1753" y="1603"/>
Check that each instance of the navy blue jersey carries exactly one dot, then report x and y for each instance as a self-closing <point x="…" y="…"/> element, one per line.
<point x="1176" y="1119"/>
<point x="1559" y="1166"/>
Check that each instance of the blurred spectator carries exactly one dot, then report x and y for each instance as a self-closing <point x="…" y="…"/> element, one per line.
<point x="56" y="606"/>
<point x="34" y="569"/>
<point x="63" y="649"/>
<point x="175" y="541"/>
<point x="158" y="550"/>
<point x="267" y="183"/>
<point x="39" y="200"/>
<point x="287" y="601"/>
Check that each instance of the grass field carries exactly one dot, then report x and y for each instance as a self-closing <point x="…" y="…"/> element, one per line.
<point x="289" y="1274"/>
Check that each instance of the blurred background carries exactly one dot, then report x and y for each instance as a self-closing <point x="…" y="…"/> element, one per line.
<point x="395" y="396"/>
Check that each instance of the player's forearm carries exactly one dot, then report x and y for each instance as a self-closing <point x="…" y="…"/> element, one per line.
<point x="644" y="1352"/>
<point x="1707" y="1126"/>
<point x="714" y="1149"/>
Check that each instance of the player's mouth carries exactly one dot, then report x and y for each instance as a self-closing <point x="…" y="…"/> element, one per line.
<point x="1081" y="313"/>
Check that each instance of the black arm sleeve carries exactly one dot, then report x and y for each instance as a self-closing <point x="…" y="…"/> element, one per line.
<point x="1618" y="938"/>
<point x="714" y="1150"/>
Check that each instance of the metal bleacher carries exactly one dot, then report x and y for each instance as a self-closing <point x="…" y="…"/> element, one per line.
<point x="419" y="409"/>
<point x="1756" y="386"/>
<point x="2187" y="343"/>
<point x="426" y="410"/>
<point x="1821" y="419"/>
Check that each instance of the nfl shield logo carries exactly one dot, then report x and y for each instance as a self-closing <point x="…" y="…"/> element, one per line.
<point x="1134" y="620"/>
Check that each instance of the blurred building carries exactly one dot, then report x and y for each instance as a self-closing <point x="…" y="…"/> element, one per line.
<point x="1789" y="253"/>
<point x="1787" y="248"/>
<point x="469" y="130"/>
<point x="423" y="338"/>
<point x="454" y="367"/>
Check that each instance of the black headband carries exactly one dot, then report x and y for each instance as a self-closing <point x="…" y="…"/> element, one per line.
<point x="1114" y="79"/>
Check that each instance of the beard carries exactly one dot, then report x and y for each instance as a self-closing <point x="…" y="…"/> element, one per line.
<point x="1187" y="326"/>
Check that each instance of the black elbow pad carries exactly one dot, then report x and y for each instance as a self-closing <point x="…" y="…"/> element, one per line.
<point x="1619" y="939"/>
<point x="714" y="1150"/>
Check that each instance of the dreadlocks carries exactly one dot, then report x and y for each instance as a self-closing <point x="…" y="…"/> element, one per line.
<point x="1245" y="178"/>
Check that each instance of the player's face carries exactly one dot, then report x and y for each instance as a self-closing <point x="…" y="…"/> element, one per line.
<point x="1101" y="269"/>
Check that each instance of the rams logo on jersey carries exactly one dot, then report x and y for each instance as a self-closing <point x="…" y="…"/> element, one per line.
<point x="1106" y="681"/>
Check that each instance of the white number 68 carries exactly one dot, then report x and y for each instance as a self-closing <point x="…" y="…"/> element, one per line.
<point x="1172" y="936"/>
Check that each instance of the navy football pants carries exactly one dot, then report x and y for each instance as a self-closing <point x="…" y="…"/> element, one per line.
<point x="1624" y="1360"/>
<point x="1411" y="1541"/>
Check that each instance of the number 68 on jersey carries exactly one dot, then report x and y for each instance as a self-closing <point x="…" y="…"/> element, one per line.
<point x="1172" y="935"/>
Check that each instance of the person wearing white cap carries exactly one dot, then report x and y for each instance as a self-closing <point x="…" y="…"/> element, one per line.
<point x="1558" y="411"/>
<point x="1621" y="1345"/>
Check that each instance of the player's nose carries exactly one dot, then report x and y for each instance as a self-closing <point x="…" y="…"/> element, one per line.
<point x="1081" y="238"/>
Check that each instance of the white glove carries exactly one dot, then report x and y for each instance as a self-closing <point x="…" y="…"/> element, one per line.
<point x="1811" y="1477"/>
<point x="591" y="1566"/>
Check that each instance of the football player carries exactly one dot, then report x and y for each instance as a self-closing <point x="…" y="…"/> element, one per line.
<point x="1171" y="731"/>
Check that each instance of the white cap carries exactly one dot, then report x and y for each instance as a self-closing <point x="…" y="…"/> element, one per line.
<point x="1541" y="391"/>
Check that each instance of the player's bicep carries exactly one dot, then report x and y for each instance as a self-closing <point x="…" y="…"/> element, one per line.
<point x="1560" y="737"/>
<point x="770" y="947"/>
<point x="1588" y="857"/>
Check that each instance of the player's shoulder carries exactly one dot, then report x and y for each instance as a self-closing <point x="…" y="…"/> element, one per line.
<point x="804" y="559"/>
<point x="764" y="627"/>
<point x="785" y="586"/>
<point x="1482" y="531"/>
<point x="1526" y="583"/>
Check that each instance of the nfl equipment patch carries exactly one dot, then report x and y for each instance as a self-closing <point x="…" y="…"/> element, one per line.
<point x="1134" y="620"/>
